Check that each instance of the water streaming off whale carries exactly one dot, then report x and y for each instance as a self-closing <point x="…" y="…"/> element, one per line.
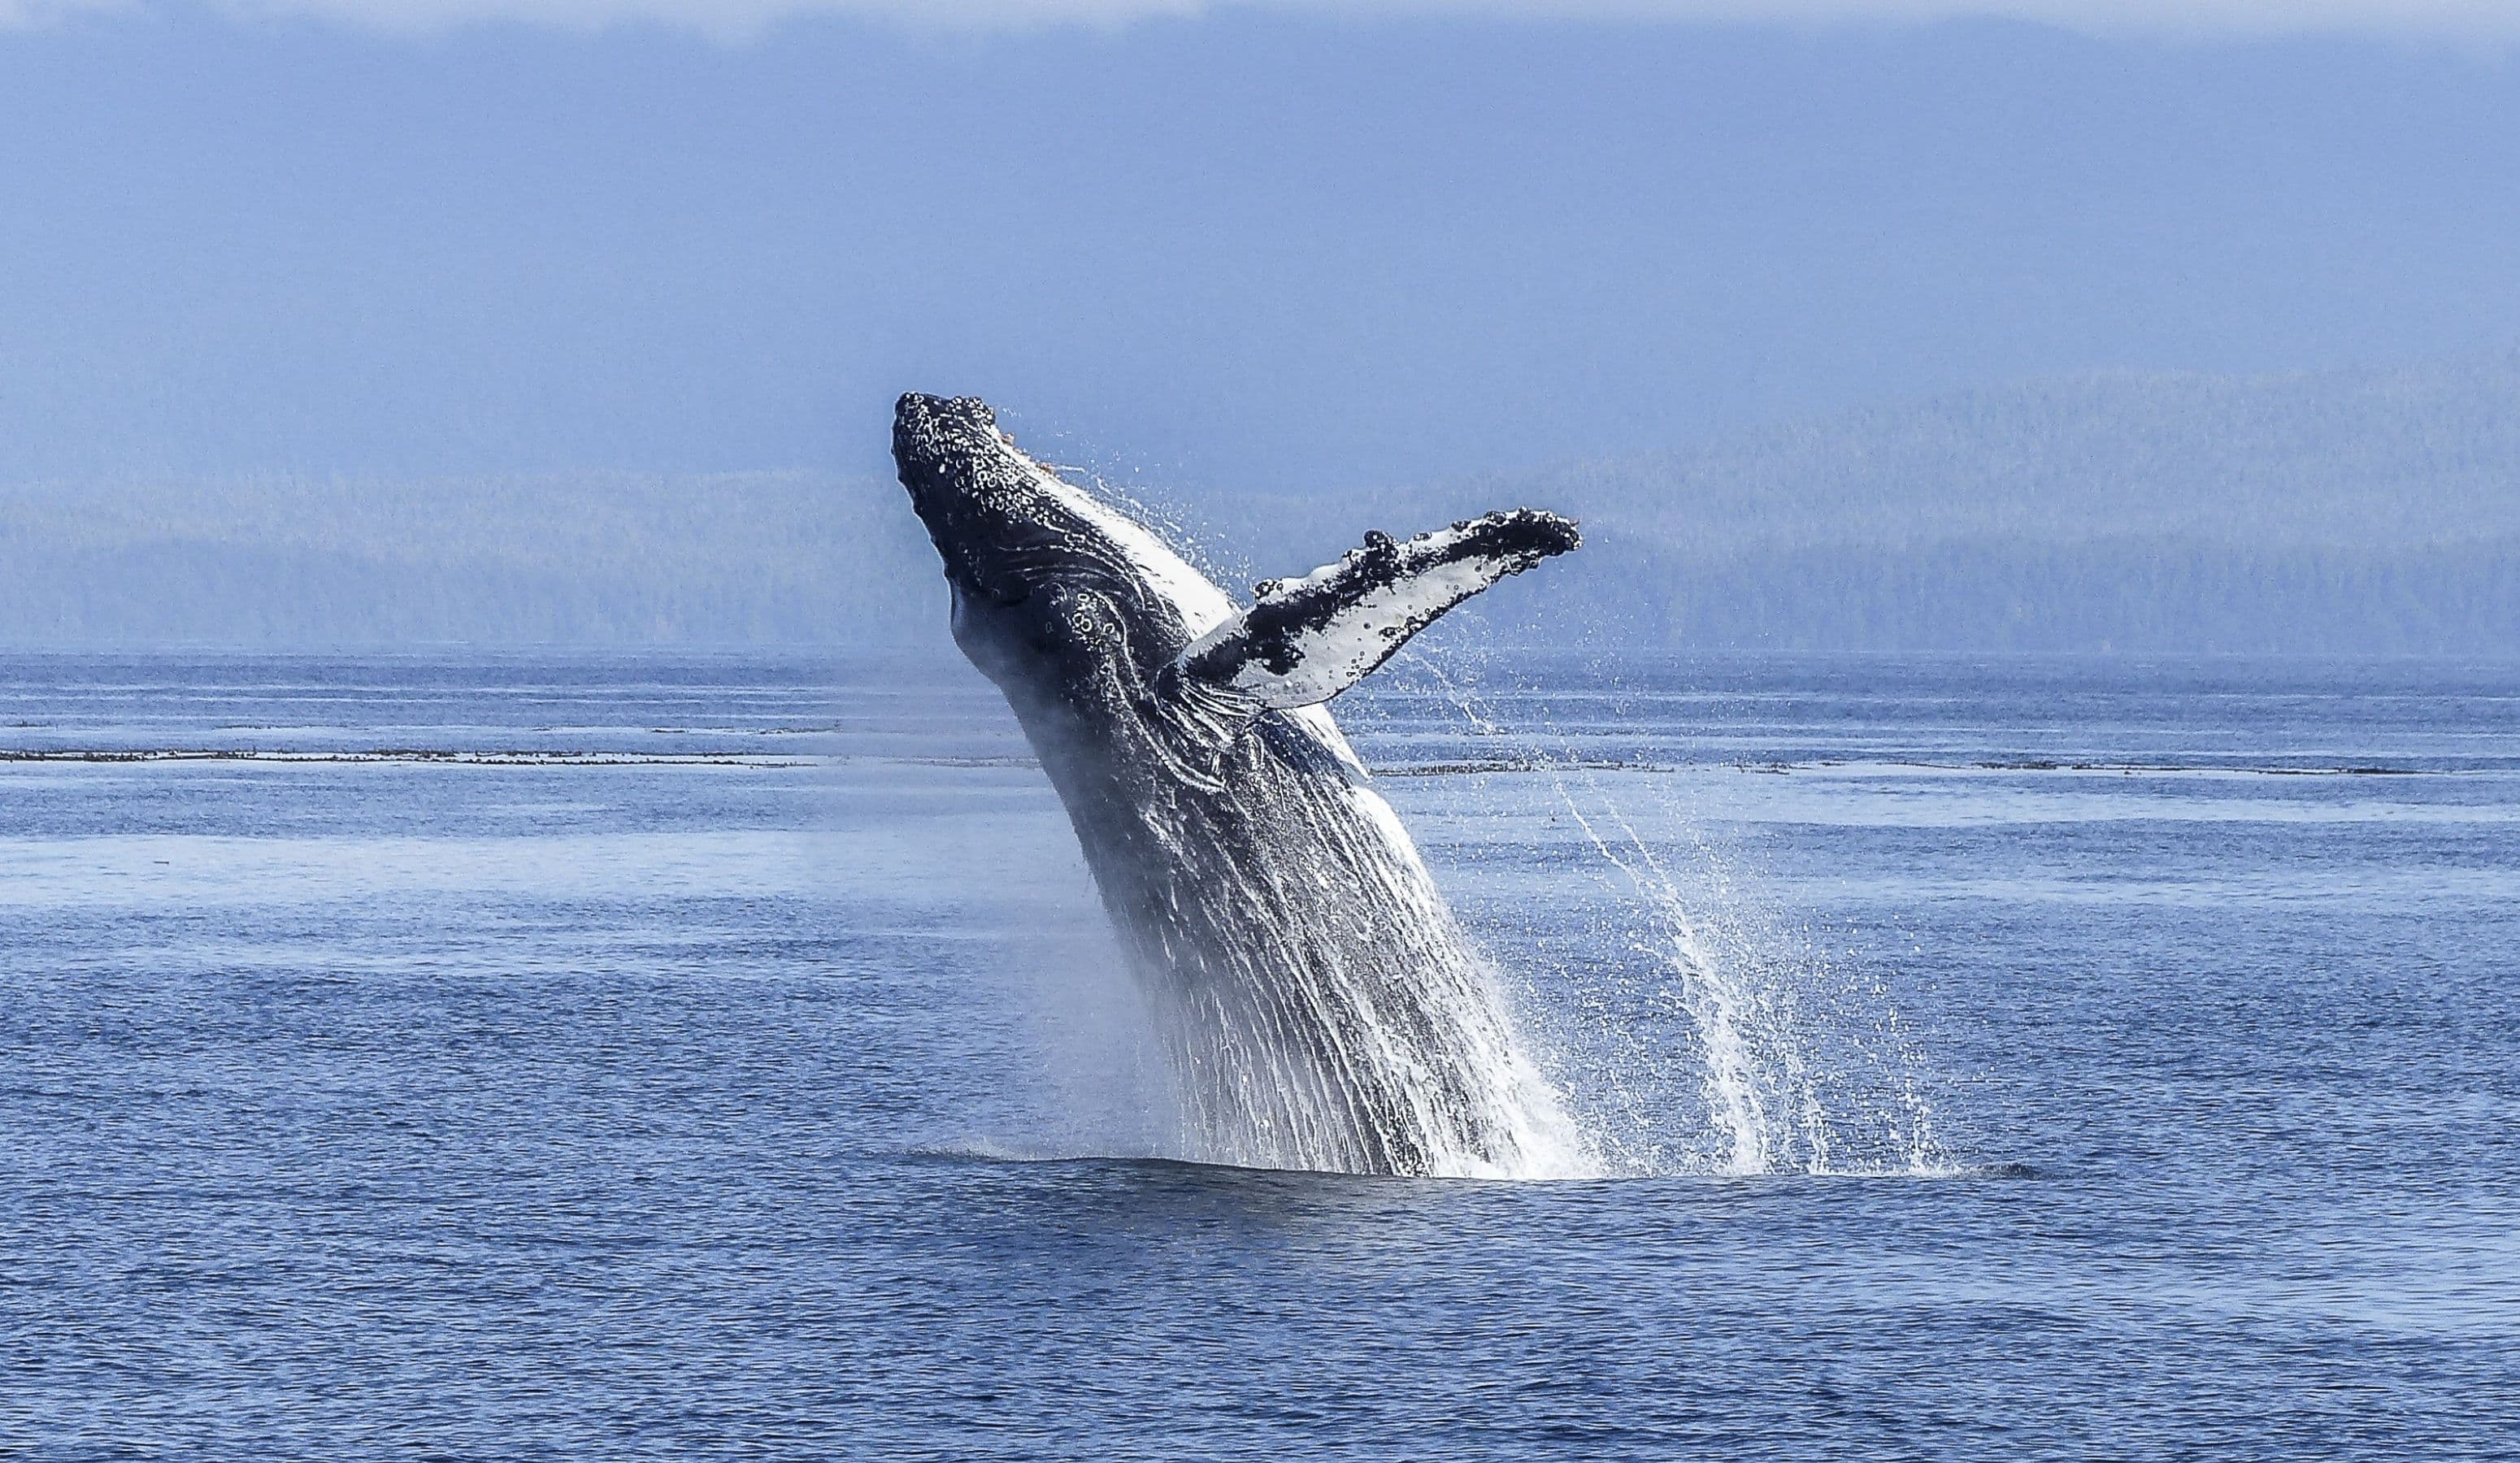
<point x="1791" y="1061"/>
<point x="1319" y="1006"/>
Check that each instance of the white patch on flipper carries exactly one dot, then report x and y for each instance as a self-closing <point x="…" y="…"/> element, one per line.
<point x="1306" y="641"/>
<point x="1362" y="636"/>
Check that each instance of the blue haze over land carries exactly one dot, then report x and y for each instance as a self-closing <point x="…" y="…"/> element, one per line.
<point x="2351" y="513"/>
<point x="316" y="333"/>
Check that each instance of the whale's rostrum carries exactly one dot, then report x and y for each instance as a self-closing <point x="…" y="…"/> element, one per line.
<point x="1319" y="1008"/>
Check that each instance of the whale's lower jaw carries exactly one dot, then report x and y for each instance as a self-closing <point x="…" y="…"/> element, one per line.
<point x="1319" y="1008"/>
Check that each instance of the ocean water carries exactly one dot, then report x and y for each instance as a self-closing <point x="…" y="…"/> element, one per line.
<point x="699" y="1057"/>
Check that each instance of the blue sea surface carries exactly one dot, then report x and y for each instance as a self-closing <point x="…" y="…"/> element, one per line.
<point x="724" y="1056"/>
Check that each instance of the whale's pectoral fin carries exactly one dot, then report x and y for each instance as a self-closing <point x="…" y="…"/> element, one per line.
<point x="1307" y="639"/>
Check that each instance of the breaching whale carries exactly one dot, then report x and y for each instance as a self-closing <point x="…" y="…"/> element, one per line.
<point x="1319" y="1008"/>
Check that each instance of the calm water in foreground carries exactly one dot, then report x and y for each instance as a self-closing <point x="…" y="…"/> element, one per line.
<point x="692" y="1057"/>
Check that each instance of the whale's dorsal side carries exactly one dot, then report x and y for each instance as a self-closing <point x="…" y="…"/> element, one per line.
<point x="1307" y="639"/>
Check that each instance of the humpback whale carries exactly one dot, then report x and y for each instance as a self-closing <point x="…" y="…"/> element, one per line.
<point x="1318" y="1006"/>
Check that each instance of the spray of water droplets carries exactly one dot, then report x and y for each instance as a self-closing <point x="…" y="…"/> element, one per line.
<point x="1694" y="1031"/>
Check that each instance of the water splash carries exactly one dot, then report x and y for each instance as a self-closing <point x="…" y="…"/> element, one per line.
<point x="1730" y="1044"/>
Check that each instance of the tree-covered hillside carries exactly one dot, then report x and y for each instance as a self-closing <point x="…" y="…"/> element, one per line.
<point x="2353" y="512"/>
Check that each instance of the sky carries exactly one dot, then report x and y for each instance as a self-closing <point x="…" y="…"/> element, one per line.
<point x="745" y="18"/>
<point x="1279" y="246"/>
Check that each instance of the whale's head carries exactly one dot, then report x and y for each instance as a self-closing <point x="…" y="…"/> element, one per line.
<point x="1075" y="609"/>
<point x="1052" y="586"/>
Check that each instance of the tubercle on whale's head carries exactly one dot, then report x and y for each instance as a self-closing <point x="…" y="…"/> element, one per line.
<point x="966" y="479"/>
<point x="996" y="522"/>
